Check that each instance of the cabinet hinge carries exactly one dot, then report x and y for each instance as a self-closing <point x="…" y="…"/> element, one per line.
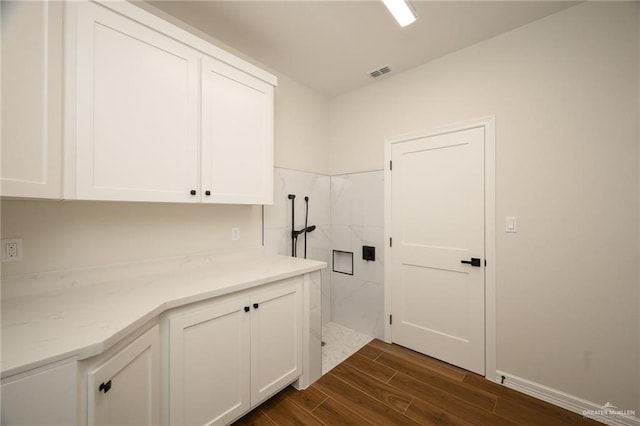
<point x="390" y="319"/>
<point x="390" y="241"/>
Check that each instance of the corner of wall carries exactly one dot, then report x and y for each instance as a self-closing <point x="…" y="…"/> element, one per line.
<point x="301" y="127"/>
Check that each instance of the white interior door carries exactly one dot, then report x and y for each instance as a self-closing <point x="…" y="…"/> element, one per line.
<point x="437" y="223"/>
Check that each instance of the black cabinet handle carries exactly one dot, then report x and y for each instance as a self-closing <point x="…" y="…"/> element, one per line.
<point x="207" y="193"/>
<point x="105" y="387"/>
<point x="473" y="262"/>
<point x="246" y="308"/>
<point x="192" y="192"/>
<point x="255" y="306"/>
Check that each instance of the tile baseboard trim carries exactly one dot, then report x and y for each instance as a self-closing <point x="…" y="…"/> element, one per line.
<point x="564" y="400"/>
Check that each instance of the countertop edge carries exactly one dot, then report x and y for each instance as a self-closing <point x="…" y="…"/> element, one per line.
<point x="97" y="348"/>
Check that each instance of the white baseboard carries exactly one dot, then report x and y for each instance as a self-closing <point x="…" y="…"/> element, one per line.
<point x="566" y="401"/>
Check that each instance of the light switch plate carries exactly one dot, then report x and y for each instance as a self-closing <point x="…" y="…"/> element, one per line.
<point x="510" y="224"/>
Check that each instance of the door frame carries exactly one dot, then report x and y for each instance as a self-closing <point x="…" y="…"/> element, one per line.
<point x="488" y="123"/>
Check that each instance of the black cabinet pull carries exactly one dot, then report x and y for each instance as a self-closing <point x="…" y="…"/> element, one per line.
<point x="192" y="192"/>
<point x="473" y="262"/>
<point x="246" y="308"/>
<point x="207" y="193"/>
<point x="255" y="306"/>
<point x="105" y="387"/>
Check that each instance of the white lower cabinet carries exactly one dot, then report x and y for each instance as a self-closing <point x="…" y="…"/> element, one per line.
<point x="125" y="389"/>
<point x="276" y="339"/>
<point x="44" y="396"/>
<point x="228" y="355"/>
<point x="206" y="363"/>
<point x="209" y="363"/>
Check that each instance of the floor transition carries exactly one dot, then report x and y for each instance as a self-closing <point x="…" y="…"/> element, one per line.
<point x="384" y="384"/>
<point x="340" y="343"/>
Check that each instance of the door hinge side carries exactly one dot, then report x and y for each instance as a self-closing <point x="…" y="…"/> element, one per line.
<point x="390" y="164"/>
<point x="390" y="241"/>
<point x="390" y="319"/>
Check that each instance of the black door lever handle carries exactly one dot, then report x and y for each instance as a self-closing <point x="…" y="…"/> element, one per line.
<point x="473" y="262"/>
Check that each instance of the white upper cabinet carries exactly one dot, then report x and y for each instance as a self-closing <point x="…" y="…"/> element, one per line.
<point x="31" y="99"/>
<point x="152" y="116"/>
<point x="237" y="136"/>
<point x="136" y="111"/>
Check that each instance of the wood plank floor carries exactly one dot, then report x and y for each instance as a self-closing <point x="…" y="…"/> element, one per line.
<point x="386" y="384"/>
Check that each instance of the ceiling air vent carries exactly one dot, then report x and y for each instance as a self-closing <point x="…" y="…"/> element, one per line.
<point x="379" y="72"/>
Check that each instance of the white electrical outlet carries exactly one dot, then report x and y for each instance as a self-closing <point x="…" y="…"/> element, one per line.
<point x="235" y="234"/>
<point x="11" y="249"/>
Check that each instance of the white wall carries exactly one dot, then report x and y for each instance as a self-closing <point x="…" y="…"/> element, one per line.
<point x="564" y="91"/>
<point x="301" y="128"/>
<point x="72" y="234"/>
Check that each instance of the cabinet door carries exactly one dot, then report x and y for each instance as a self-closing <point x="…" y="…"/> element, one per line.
<point x="31" y="99"/>
<point x="136" y="111"/>
<point x="276" y="339"/>
<point x="47" y="396"/>
<point x="237" y="136"/>
<point x="125" y="390"/>
<point x="209" y="364"/>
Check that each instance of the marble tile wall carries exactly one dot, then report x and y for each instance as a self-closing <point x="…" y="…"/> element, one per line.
<point x="277" y="221"/>
<point x="348" y="211"/>
<point x="357" y="219"/>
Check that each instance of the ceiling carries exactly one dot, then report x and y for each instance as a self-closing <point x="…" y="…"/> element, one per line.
<point x="331" y="45"/>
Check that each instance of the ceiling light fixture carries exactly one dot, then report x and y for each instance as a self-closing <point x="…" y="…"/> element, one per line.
<point x="401" y="10"/>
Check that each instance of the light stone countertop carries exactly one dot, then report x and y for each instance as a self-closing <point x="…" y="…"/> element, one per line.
<point x="79" y="314"/>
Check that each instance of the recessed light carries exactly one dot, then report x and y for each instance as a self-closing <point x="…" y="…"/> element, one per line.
<point x="401" y="10"/>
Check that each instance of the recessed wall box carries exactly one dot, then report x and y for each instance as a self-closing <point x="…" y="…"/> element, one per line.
<point x="343" y="262"/>
<point x="369" y="253"/>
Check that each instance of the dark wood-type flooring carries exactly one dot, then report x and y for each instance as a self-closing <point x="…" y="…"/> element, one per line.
<point x="386" y="384"/>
